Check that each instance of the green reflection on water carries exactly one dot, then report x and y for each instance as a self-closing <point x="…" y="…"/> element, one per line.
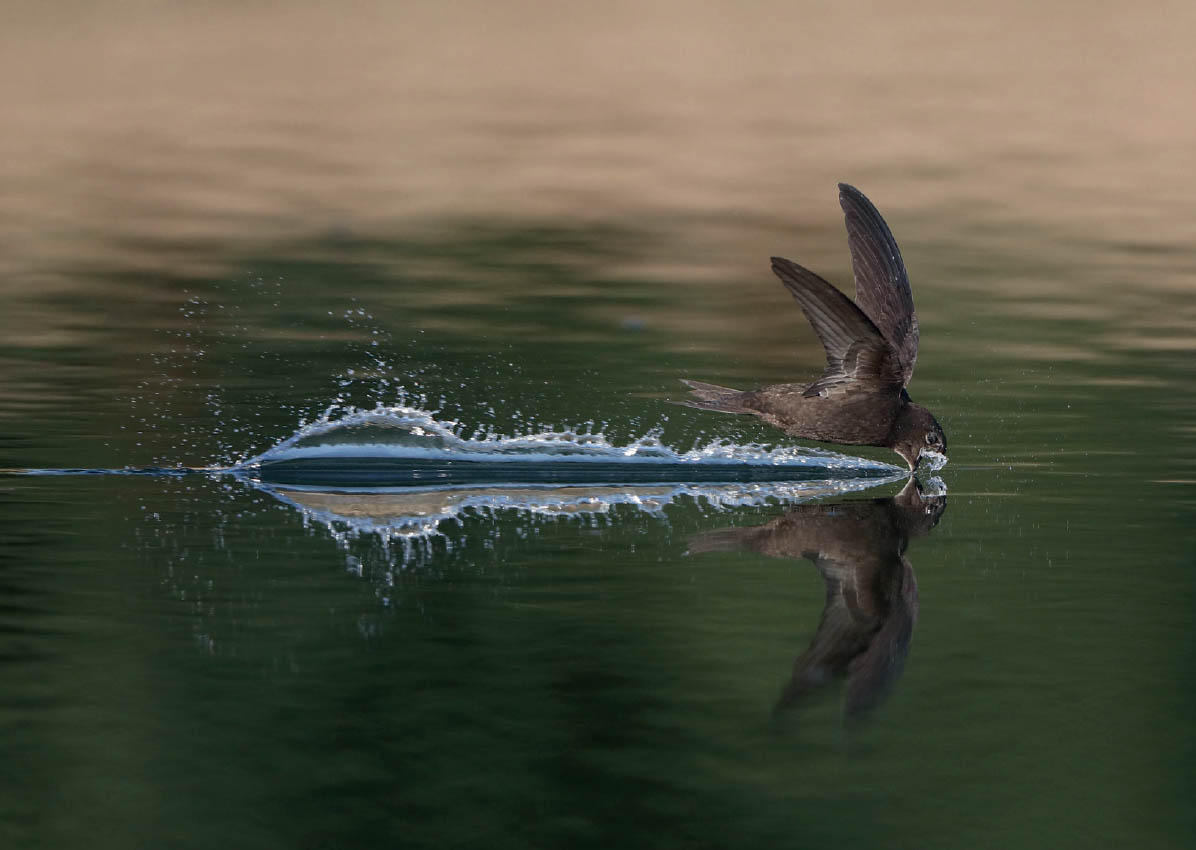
<point x="185" y="663"/>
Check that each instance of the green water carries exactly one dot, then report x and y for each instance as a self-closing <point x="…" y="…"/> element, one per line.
<point x="195" y="662"/>
<point x="185" y="663"/>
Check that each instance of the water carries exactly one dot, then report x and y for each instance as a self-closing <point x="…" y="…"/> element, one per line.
<point x="470" y="235"/>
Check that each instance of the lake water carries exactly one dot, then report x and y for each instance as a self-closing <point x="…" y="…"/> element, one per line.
<point x="500" y="228"/>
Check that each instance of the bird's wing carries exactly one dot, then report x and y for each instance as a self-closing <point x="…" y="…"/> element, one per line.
<point x="882" y="287"/>
<point x="874" y="672"/>
<point x="858" y="359"/>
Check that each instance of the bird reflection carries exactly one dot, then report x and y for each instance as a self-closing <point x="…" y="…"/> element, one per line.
<point x="871" y="594"/>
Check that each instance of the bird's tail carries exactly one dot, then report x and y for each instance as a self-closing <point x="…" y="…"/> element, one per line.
<point x="720" y="540"/>
<point x="713" y="397"/>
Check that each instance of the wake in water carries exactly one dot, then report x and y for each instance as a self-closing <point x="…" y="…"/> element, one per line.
<point x="396" y="486"/>
<point x="400" y="477"/>
<point x="408" y="446"/>
<point x="393" y="446"/>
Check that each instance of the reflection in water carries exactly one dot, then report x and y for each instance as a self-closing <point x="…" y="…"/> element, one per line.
<point x="397" y="525"/>
<point x="871" y="594"/>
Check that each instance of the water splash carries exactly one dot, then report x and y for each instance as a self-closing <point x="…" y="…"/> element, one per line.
<point x="934" y="486"/>
<point x="394" y="485"/>
<point x="934" y="460"/>
<point x="409" y="445"/>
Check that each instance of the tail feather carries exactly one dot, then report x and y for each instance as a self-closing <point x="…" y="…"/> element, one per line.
<point x="721" y="540"/>
<point x="713" y="397"/>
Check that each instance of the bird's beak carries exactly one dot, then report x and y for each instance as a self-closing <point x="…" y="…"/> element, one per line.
<point x="936" y="460"/>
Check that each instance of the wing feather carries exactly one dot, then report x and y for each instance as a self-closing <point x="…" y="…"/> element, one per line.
<point x="857" y="355"/>
<point x="882" y="288"/>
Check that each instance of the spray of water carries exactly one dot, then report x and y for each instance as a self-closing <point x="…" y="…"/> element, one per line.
<point x="411" y="433"/>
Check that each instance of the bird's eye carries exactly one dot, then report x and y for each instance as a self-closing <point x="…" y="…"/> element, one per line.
<point x="932" y="438"/>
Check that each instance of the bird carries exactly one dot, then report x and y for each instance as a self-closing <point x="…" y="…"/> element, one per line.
<point x="871" y="346"/>
<point x="871" y="606"/>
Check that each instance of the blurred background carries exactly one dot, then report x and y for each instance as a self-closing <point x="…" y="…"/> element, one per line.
<point x="157" y="136"/>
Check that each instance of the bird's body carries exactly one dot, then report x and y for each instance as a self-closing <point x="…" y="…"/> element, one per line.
<point x="859" y="419"/>
<point x="871" y="346"/>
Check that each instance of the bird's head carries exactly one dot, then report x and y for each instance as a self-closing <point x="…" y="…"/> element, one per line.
<point x="917" y="434"/>
<point x="918" y="509"/>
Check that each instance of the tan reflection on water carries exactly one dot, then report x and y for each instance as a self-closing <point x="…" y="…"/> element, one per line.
<point x="145" y="136"/>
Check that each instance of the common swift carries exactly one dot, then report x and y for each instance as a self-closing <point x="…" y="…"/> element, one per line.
<point x="871" y="604"/>
<point x="871" y="346"/>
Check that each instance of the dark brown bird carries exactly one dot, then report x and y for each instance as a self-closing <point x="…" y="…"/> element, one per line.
<point x="871" y="595"/>
<point x="871" y="346"/>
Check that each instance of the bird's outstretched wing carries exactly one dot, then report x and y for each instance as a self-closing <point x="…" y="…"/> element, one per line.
<point x="858" y="357"/>
<point x="882" y="287"/>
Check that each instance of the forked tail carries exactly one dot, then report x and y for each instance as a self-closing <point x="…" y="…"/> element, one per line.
<point x="721" y="540"/>
<point x="714" y="397"/>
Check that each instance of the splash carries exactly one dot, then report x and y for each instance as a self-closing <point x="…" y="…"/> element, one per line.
<point x="934" y="460"/>
<point x="395" y="485"/>
<point x="934" y="487"/>
<point x="408" y="445"/>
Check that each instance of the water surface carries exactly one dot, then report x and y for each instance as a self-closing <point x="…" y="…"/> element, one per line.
<point x="223" y="228"/>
